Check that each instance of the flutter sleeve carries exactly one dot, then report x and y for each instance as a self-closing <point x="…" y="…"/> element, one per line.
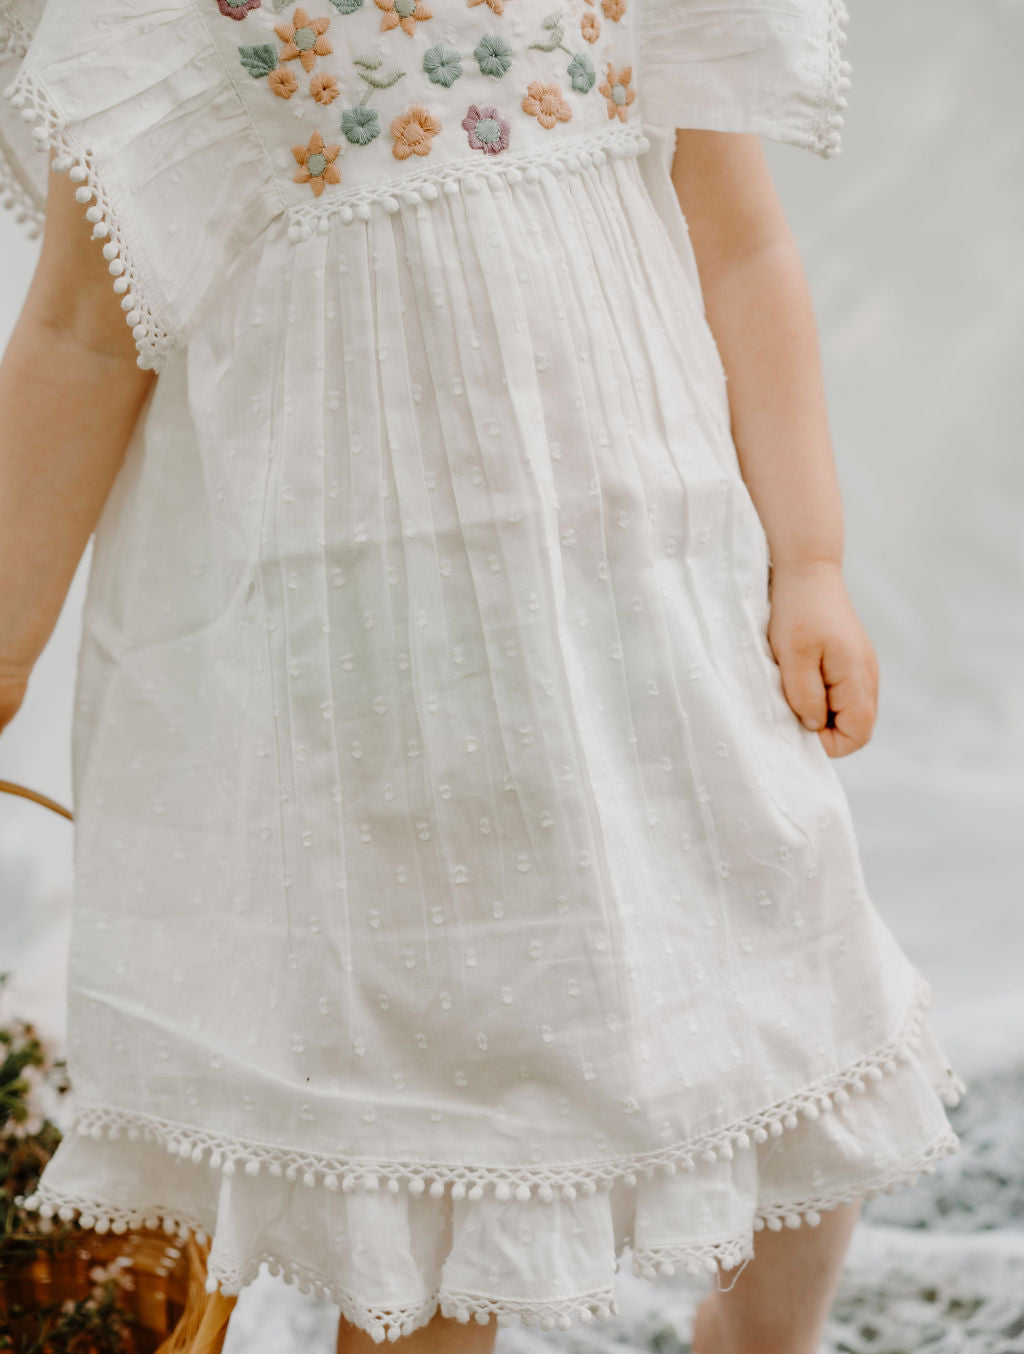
<point x="773" y="67"/>
<point x="131" y="100"/>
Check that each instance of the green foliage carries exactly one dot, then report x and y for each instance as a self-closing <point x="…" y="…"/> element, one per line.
<point x="95" y="1324"/>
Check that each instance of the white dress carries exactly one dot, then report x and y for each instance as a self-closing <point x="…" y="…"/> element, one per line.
<point x="458" y="900"/>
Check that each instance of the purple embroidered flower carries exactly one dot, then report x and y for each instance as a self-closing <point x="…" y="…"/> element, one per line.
<point x="488" y="130"/>
<point x="237" y="9"/>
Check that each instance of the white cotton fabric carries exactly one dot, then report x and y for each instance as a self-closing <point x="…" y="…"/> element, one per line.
<point x="457" y="897"/>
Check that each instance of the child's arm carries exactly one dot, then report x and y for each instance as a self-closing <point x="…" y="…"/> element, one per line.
<point x="759" y="309"/>
<point x="70" y="392"/>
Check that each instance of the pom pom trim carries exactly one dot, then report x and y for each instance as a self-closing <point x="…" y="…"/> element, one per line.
<point x="572" y="155"/>
<point x="828" y="136"/>
<point x="392" y="1322"/>
<point x="14" y="195"/>
<point x="523" y="1181"/>
<point x="152" y="340"/>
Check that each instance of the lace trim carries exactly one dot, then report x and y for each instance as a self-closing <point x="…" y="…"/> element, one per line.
<point x="14" y="195"/>
<point x="460" y="1304"/>
<point x="394" y="1321"/>
<point x="696" y="1257"/>
<point x="27" y="94"/>
<point x="572" y="154"/>
<point x="15" y="35"/>
<point x="565" y="1178"/>
<point x="837" y="78"/>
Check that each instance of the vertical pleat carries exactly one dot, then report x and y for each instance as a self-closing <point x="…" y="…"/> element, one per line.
<point x="522" y="812"/>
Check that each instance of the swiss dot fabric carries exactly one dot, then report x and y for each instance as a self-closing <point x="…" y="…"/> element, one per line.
<point x="457" y="899"/>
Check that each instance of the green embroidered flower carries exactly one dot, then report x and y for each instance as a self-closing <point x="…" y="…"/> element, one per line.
<point x="581" y="73"/>
<point x="493" y="55"/>
<point x="360" y="124"/>
<point x="347" y="6"/>
<point x="442" y="64"/>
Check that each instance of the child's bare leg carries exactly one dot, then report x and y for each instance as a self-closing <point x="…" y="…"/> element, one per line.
<point x="782" y="1297"/>
<point x="441" y="1335"/>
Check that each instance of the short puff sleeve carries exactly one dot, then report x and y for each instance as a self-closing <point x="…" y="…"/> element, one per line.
<point x="773" y="67"/>
<point x="133" y="101"/>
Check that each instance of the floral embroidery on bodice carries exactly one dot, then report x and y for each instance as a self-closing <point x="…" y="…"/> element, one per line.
<point x="356" y="100"/>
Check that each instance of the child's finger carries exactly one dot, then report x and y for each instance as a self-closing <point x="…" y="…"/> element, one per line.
<point x="852" y="713"/>
<point x="804" y="686"/>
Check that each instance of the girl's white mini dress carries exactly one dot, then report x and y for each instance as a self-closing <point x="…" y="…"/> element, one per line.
<point x="458" y="900"/>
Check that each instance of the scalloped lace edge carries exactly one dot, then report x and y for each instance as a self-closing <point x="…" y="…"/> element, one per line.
<point x="153" y="342"/>
<point x="837" y="78"/>
<point x="393" y="1321"/>
<point x="14" y="196"/>
<point x="520" y="1181"/>
<point x="570" y="155"/>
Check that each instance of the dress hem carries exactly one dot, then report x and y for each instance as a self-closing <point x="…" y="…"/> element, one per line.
<point x="521" y="1181"/>
<point x="396" y="1320"/>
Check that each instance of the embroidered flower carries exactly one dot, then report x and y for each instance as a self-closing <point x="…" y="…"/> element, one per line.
<point x="613" y="9"/>
<point x="616" y="90"/>
<point x="324" y="88"/>
<point x="237" y="9"/>
<point x="493" y="55"/>
<point x="316" y="164"/>
<point x="360" y="124"/>
<point x="283" y="82"/>
<point x="497" y="5"/>
<point x="304" y="39"/>
<point x="581" y="73"/>
<point x="590" y="27"/>
<point x="404" y="14"/>
<point x="414" y="132"/>
<point x="442" y="64"/>
<point x="487" y="129"/>
<point x="546" y="103"/>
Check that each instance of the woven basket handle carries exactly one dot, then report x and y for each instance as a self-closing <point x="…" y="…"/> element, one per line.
<point x="11" y="788"/>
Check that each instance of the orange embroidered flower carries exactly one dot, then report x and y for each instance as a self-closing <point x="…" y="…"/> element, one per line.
<point x="316" y="164"/>
<point x="613" y="9"/>
<point x="303" y="39"/>
<point x="404" y="14"/>
<point x="414" y="132"/>
<point x="546" y="104"/>
<point x="324" y="88"/>
<point x="590" y="27"/>
<point x="283" y="82"/>
<point x="497" y="5"/>
<point x="616" y="90"/>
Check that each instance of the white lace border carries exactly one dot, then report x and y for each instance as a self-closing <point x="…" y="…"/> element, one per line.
<point x="14" y="196"/>
<point x="828" y="139"/>
<point x="27" y="94"/>
<point x="569" y="155"/>
<point x="521" y="1181"/>
<point x="393" y="1321"/>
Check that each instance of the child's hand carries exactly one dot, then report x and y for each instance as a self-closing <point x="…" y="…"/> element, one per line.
<point x="828" y="665"/>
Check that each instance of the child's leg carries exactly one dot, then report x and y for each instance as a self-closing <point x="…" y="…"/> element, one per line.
<point x="782" y="1297"/>
<point x="441" y="1335"/>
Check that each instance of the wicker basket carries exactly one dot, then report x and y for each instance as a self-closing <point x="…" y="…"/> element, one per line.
<point x="154" y="1270"/>
<point x="152" y="1292"/>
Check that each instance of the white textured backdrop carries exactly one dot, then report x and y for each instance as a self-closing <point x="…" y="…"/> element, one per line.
<point x="912" y="240"/>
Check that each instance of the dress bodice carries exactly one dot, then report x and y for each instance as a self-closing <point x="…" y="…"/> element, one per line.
<point x="396" y="96"/>
<point x="193" y="126"/>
